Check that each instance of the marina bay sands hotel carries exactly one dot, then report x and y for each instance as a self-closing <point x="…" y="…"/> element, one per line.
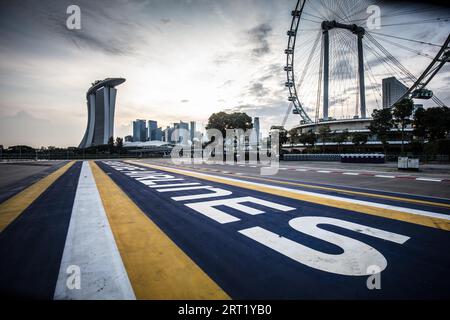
<point x="101" y="100"/>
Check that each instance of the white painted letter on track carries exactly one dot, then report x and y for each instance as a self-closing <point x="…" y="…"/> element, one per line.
<point x="207" y="208"/>
<point x="355" y="259"/>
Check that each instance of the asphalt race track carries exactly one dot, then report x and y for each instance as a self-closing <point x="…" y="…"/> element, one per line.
<point x="156" y="230"/>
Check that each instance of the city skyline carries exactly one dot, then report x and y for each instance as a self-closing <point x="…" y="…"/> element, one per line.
<point x="182" y="60"/>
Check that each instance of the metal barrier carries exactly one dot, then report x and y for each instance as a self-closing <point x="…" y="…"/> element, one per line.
<point x="345" y="158"/>
<point x="312" y="157"/>
<point x="363" y="158"/>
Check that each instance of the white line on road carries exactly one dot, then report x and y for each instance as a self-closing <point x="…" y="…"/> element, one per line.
<point x="383" y="176"/>
<point x="326" y="196"/>
<point x="429" y="179"/>
<point x="351" y="173"/>
<point x="90" y="246"/>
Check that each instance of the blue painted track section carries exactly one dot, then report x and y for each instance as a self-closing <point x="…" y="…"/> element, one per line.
<point x="245" y="269"/>
<point x="31" y="247"/>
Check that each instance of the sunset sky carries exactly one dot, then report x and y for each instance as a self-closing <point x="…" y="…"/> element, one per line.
<point x="182" y="60"/>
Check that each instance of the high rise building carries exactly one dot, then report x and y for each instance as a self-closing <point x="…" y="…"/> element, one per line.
<point x="183" y="132"/>
<point x="167" y="134"/>
<point x="192" y="131"/>
<point x="158" y="134"/>
<point x="392" y="91"/>
<point x="255" y="137"/>
<point x="139" y="131"/>
<point x="101" y="100"/>
<point x="152" y="127"/>
<point x="257" y="129"/>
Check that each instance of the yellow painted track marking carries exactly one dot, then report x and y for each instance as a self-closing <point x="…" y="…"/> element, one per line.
<point x="14" y="206"/>
<point x="156" y="266"/>
<point x="380" y="212"/>
<point x="359" y="193"/>
<point x="343" y="191"/>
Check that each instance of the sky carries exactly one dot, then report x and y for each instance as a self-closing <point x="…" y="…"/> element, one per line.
<point x="182" y="60"/>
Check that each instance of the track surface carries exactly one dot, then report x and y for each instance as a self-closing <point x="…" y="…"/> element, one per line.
<point x="218" y="232"/>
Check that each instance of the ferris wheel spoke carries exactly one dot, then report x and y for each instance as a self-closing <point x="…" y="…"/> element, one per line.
<point x="352" y="61"/>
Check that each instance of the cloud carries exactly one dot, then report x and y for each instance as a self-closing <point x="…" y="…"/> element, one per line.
<point x="25" y="129"/>
<point x="105" y="27"/>
<point x="259" y="37"/>
<point x="224" y="58"/>
<point x="109" y="46"/>
<point x="227" y="83"/>
<point x="257" y="89"/>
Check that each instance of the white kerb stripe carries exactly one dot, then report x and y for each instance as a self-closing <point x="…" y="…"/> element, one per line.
<point x="90" y="245"/>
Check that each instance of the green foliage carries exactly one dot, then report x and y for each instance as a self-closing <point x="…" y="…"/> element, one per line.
<point x="340" y="138"/>
<point x="119" y="143"/>
<point x="359" y="139"/>
<point x="294" y="135"/>
<point x="432" y="123"/>
<point x="324" y="134"/>
<point x="223" y="121"/>
<point x="402" y="112"/>
<point x="308" y="138"/>
<point x="381" y="125"/>
<point x="282" y="134"/>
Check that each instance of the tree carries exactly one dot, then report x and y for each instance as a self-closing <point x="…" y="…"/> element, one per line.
<point x="359" y="139"/>
<point x="432" y="123"/>
<point x="222" y="121"/>
<point x="381" y="125"/>
<point x="324" y="134"/>
<point x="419" y="124"/>
<point x="340" y="138"/>
<point x="402" y="112"/>
<point x="119" y="143"/>
<point x="308" y="138"/>
<point x="282" y="135"/>
<point x="111" y="144"/>
<point x="294" y="135"/>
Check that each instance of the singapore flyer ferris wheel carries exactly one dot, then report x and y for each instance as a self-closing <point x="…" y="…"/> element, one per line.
<point x="339" y="52"/>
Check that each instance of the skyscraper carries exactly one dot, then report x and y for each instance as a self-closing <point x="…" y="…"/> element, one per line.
<point x="257" y="128"/>
<point x="152" y="127"/>
<point x="158" y="134"/>
<point x="255" y="137"/>
<point x="192" y="130"/>
<point x="183" y="132"/>
<point x="139" y="131"/>
<point x="392" y="91"/>
<point x="101" y="100"/>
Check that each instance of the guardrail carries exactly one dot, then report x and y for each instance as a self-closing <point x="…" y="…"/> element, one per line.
<point x="345" y="158"/>
<point x="363" y="158"/>
<point x="312" y="157"/>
